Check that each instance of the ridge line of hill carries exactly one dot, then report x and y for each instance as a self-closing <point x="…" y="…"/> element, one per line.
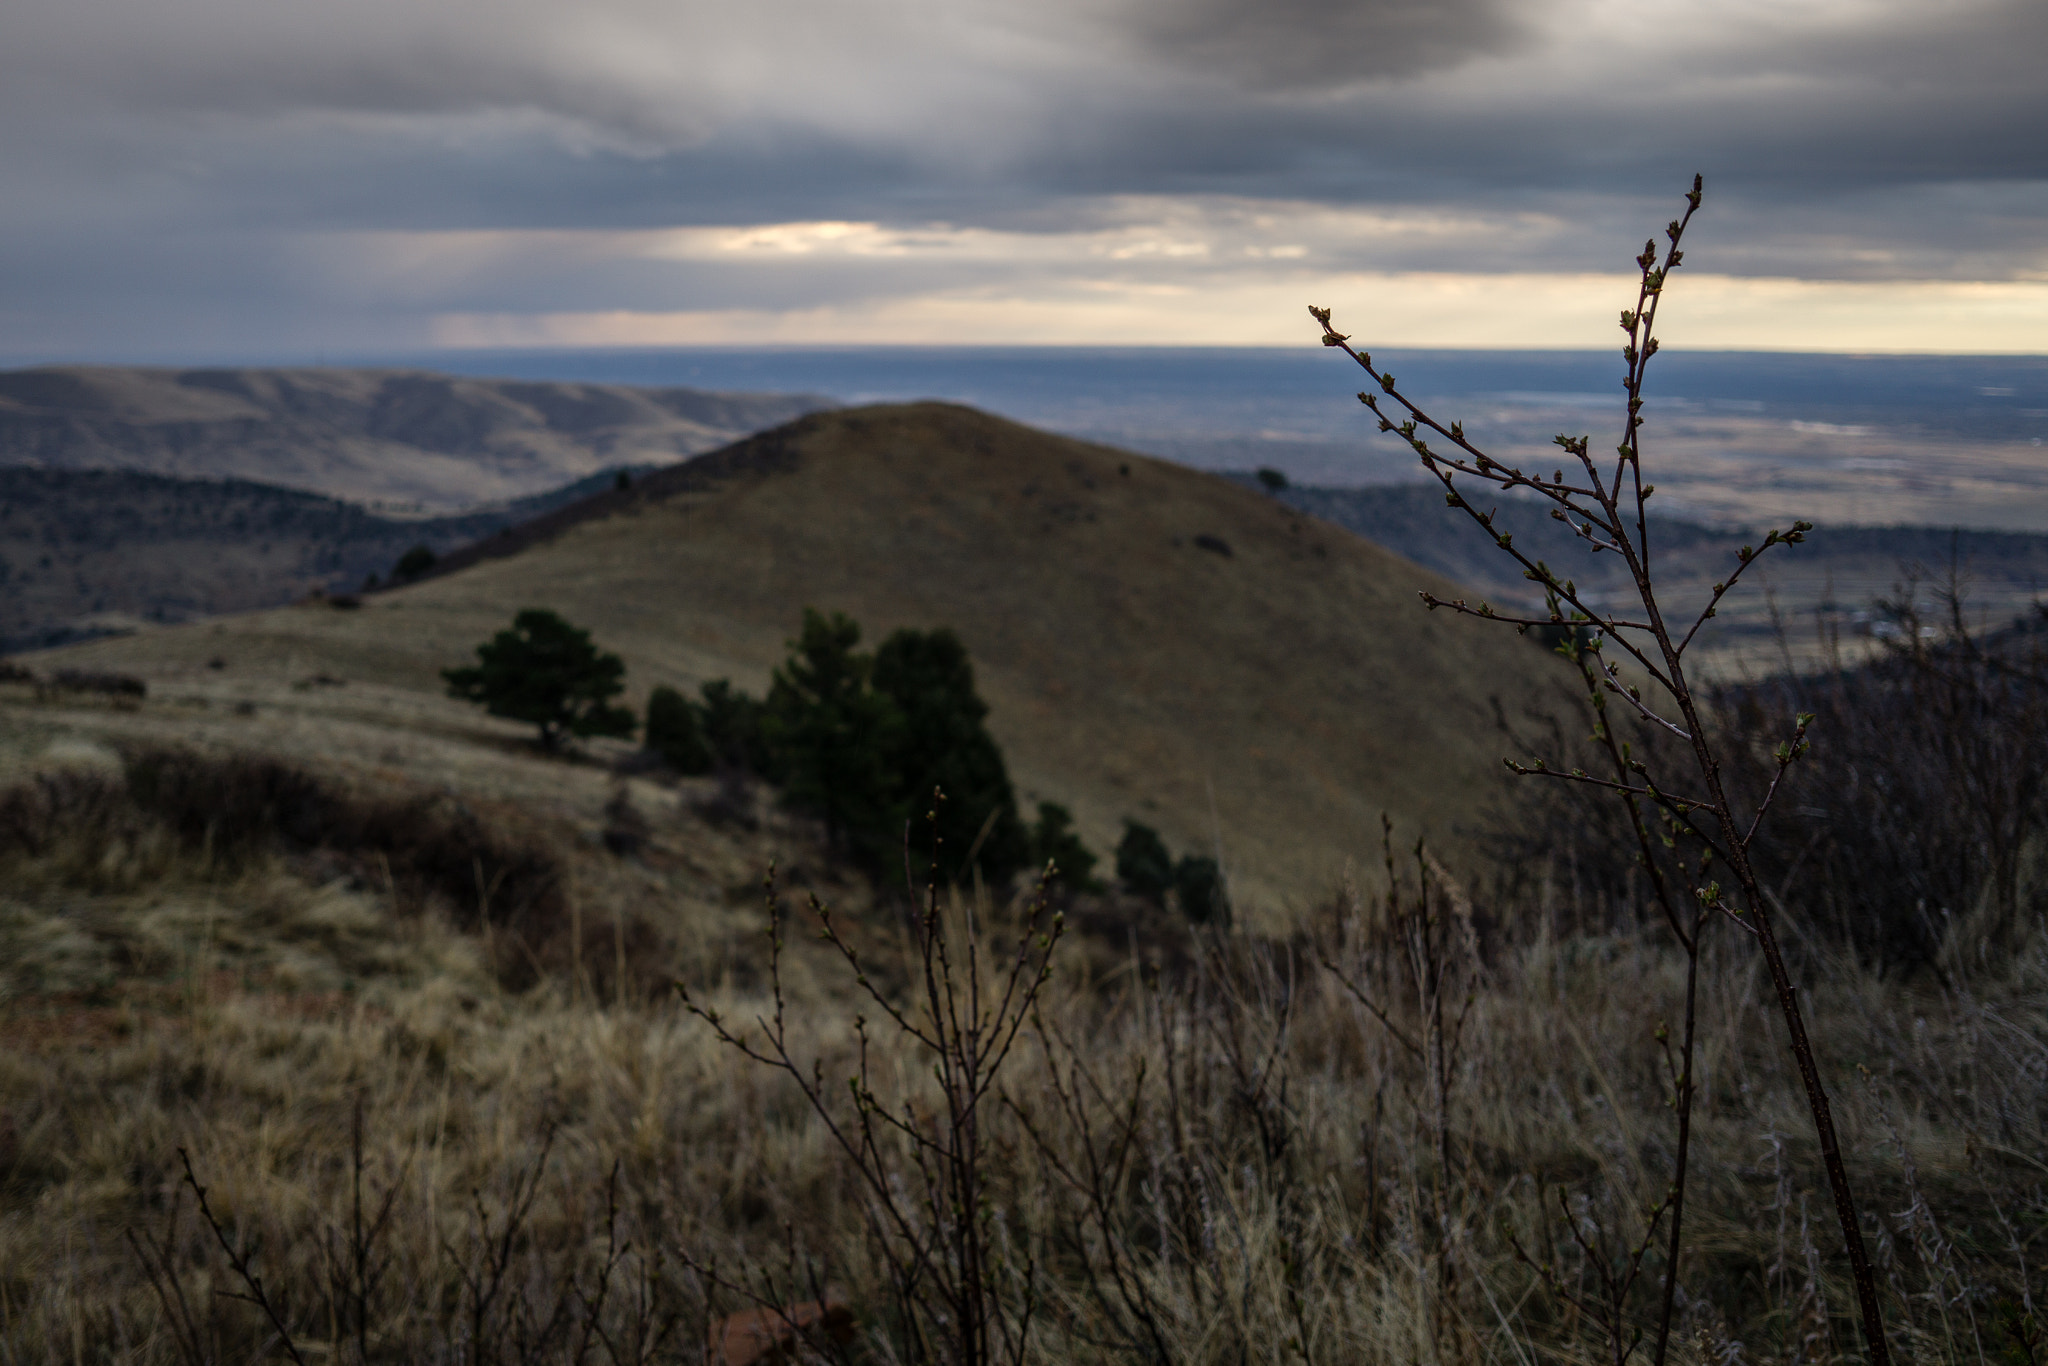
<point x="414" y="438"/>
<point x="772" y="451"/>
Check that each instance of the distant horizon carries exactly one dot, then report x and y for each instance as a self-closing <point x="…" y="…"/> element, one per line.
<point x="1216" y="390"/>
<point x="1960" y="439"/>
<point x="426" y="359"/>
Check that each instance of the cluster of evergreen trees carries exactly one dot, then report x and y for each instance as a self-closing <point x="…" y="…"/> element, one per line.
<point x="1144" y="867"/>
<point x="888" y="749"/>
<point x="864" y="742"/>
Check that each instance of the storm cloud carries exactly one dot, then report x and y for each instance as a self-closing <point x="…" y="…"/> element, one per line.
<point x="234" y="175"/>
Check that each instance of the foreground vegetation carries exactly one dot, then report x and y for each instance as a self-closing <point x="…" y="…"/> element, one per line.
<point x="1204" y="1147"/>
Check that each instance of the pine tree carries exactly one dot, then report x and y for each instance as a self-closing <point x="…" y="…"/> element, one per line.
<point x="413" y="563"/>
<point x="1054" y="841"/>
<point x="944" y="745"/>
<point x="730" y="722"/>
<point x="1142" y="863"/>
<point x="1198" y="886"/>
<point x="831" y="737"/>
<point x="673" y="732"/>
<point x="547" y="673"/>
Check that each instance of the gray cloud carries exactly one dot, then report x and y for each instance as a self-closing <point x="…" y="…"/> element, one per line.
<point x="174" y="167"/>
<point x="1313" y="45"/>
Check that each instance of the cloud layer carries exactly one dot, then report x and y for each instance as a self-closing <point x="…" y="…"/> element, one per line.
<point x="231" y="176"/>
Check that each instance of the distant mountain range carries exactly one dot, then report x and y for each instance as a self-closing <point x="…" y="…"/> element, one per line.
<point x="397" y="439"/>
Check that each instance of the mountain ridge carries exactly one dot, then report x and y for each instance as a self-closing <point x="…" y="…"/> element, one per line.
<point x="409" y="437"/>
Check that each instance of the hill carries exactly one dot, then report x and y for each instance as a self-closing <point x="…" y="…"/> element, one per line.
<point x="405" y="437"/>
<point x="86" y="553"/>
<point x="1154" y="642"/>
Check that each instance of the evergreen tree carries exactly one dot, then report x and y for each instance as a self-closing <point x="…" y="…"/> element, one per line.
<point x="547" y="673"/>
<point x="730" y="722"/>
<point x="1142" y="863"/>
<point x="832" y="737"/>
<point x="414" y="563"/>
<point x="673" y="732"/>
<point x="1198" y="885"/>
<point x="943" y="744"/>
<point x="1053" y="840"/>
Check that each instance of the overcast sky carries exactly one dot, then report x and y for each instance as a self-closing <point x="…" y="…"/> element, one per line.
<point x="286" y="178"/>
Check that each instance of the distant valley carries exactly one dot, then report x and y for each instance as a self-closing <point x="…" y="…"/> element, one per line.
<point x="1834" y="581"/>
<point x="86" y="553"/>
<point x="409" y="440"/>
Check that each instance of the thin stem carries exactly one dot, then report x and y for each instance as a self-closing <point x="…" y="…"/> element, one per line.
<point x="1662" y="658"/>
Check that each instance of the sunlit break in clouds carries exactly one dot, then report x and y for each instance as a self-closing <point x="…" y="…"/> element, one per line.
<point x="255" y="179"/>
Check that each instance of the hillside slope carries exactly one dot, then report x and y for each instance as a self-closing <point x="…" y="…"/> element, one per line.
<point x="88" y="552"/>
<point x="1154" y="642"/>
<point x="394" y="436"/>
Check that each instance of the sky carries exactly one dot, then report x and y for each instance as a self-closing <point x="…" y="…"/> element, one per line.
<point x="291" y="179"/>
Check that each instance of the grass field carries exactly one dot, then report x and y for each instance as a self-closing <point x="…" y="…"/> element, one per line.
<point x="428" y="1151"/>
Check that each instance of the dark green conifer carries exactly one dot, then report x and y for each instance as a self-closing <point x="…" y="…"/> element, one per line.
<point x="547" y="673"/>
<point x="414" y="563"/>
<point x="1054" y="841"/>
<point x="1198" y="885"/>
<point x="1142" y="863"/>
<point x="942" y="744"/>
<point x="730" y="722"/>
<point x="832" y="738"/>
<point x="673" y="733"/>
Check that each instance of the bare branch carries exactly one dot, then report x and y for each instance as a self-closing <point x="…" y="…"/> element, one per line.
<point x="1611" y="680"/>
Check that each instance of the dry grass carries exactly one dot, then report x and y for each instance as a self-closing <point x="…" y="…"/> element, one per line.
<point x="1283" y="1191"/>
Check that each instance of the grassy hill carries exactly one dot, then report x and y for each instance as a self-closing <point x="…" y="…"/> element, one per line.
<point x="406" y="437"/>
<point x="1155" y="643"/>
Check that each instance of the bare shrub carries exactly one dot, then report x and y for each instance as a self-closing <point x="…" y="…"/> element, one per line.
<point x="1907" y="834"/>
<point x="962" y="1280"/>
<point x="1206" y="1153"/>
<point x="493" y="874"/>
<point x="1696" y="801"/>
<point x="1916" y="822"/>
